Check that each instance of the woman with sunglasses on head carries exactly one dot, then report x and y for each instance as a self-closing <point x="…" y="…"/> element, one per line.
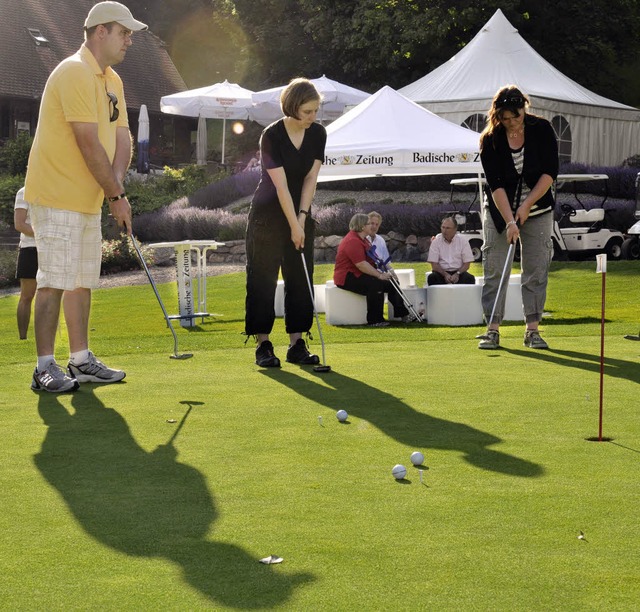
<point x="519" y="154"/>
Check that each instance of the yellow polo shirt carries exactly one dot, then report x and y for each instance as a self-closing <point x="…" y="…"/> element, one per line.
<point x="76" y="91"/>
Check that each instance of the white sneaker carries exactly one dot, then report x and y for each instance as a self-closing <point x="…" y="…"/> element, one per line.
<point x="53" y="379"/>
<point x="93" y="370"/>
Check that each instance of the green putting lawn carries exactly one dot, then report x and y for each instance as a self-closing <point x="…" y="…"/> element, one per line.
<point x="164" y="491"/>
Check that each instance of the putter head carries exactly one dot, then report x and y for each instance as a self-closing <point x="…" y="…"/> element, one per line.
<point x="322" y="368"/>
<point x="181" y="356"/>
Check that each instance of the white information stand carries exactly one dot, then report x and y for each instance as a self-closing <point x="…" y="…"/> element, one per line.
<point x="188" y="312"/>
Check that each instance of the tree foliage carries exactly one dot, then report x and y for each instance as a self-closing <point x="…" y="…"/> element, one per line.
<point x="369" y="43"/>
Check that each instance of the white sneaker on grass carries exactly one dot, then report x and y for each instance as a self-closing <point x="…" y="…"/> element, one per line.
<point x="93" y="370"/>
<point x="53" y="379"/>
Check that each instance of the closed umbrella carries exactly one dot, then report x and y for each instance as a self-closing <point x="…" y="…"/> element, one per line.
<point x="142" y="165"/>
<point x="201" y="142"/>
<point x="219" y="101"/>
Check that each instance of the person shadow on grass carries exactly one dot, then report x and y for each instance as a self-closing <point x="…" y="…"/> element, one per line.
<point x="148" y="504"/>
<point x="403" y="423"/>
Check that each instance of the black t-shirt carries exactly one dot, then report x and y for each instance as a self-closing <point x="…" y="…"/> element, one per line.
<point x="277" y="151"/>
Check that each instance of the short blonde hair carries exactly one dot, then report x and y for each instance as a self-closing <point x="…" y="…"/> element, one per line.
<point x="358" y="222"/>
<point x="298" y="92"/>
<point x="375" y="214"/>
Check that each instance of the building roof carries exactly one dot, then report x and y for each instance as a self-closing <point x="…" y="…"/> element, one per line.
<point x="25" y="63"/>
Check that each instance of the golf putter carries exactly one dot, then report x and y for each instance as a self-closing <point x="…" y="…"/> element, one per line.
<point x="324" y="367"/>
<point x="175" y="355"/>
<point x="507" y="266"/>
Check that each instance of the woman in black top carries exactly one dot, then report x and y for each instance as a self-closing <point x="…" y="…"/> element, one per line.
<point x="519" y="155"/>
<point x="280" y="224"/>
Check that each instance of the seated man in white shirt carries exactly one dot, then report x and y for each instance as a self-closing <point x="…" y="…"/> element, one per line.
<point x="450" y="257"/>
<point x="381" y="251"/>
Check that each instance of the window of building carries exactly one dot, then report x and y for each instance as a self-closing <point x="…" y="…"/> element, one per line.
<point x="475" y="122"/>
<point x="38" y="38"/>
<point x="563" y="133"/>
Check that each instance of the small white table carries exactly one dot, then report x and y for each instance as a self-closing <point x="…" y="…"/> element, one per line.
<point x="187" y="312"/>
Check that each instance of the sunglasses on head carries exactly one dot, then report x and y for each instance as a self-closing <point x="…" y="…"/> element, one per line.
<point x="512" y="100"/>
<point x="115" y="113"/>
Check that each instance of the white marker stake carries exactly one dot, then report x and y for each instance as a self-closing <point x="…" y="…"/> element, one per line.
<point x="601" y="268"/>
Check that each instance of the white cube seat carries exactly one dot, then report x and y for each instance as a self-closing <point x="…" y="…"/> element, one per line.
<point x="454" y="305"/>
<point x="513" y="303"/>
<point x="406" y="277"/>
<point x="417" y="296"/>
<point x="344" y="307"/>
<point x="318" y="292"/>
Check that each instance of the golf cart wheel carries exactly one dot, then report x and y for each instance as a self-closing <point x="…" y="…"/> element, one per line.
<point x="613" y="249"/>
<point x="630" y="249"/>
<point x="476" y="249"/>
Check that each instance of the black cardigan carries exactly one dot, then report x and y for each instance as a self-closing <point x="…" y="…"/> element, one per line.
<point x="540" y="157"/>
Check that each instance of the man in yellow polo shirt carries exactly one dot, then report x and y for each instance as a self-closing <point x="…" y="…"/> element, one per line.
<point x="79" y="158"/>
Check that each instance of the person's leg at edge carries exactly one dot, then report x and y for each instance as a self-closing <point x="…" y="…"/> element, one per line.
<point x="494" y="253"/>
<point x="77" y="307"/>
<point x="45" y="319"/>
<point x="298" y="305"/>
<point x="263" y="249"/>
<point x="27" y="293"/>
<point x="536" y="256"/>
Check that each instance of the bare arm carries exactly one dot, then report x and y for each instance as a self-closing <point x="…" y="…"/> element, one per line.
<point x="20" y="222"/>
<point x="100" y="167"/>
<point x="122" y="158"/>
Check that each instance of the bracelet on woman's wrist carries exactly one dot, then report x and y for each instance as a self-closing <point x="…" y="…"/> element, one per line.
<point x="303" y="212"/>
<point x="512" y="223"/>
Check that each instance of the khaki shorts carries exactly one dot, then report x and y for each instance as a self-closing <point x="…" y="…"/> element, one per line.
<point x="69" y="248"/>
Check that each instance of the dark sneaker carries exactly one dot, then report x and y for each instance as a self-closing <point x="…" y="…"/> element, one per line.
<point x="491" y="340"/>
<point x="53" y="379"/>
<point x="533" y="340"/>
<point x="409" y="318"/>
<point x="298" y="353"/>
<point x="379" y="324"/>
<point x="265" y="357"/>
<point x="93" y="370"/>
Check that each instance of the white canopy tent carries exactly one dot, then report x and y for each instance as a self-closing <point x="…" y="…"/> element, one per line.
<point x="591" y="129"/>
<point x="219" y="101"/>
<point x="388" y="135"/>
<point x="335" y="97"/>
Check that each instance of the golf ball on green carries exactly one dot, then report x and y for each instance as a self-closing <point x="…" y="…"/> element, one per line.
<point x="342" y="415"/>
<point x="399" y="471"/>
<point x="417" y="458"/>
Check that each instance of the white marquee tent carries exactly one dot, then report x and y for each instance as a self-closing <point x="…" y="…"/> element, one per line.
<point x="389" y="135"/>
<point x="592" y="129"/>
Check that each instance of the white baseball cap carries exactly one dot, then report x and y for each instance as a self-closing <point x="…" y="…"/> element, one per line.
<point x="106" y="12"/>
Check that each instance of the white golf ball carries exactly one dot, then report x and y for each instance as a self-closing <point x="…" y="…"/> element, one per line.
<point x="342" y="415"/>
<point x="417" y="458"/>
<point x="399" y="471"/>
